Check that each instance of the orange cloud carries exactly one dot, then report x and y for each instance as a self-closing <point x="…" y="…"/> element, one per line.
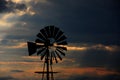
<point x="19" y="45"/>
<point x="30" y="67"/>
<point x="19" y="63"/>
<point x="31" y="57"/>
<point x="76" y="48"/>
<point x="112" y="48"/>
<point x="95" y="72"/>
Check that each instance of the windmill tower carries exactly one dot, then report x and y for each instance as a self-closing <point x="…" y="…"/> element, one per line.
<point x="50" y="45"/>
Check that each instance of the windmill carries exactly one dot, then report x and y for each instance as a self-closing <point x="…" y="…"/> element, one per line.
<point x="51" y="46"/>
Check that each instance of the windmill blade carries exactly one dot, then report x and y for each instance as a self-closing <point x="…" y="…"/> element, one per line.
<point x="58" y="55"/>
<point x="61" y="38"/>
<point x="40" y="46"/>
<point x="60" y="52"/>
<point x="59" y="34"/>
<point x="52" y="30"/>
<point x="51" y="57"/>
<point x="44" y="53"/>
<point x="43" y="33"/>
<point x="62" y="48"/>
<point x="48" y="31"/>
<point x="39" y="41"/>
<point x="55" y="31"/>
<point x="62" y="43"/>
<point x="41" y="36"/>
<point x="40" y="51"/>
<point x="51" y="62"/>
<point x="55" y="57"/>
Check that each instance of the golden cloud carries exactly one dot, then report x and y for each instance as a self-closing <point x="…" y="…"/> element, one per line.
<point x="20" y="63"/>
<point x="28" y="1"/>
<point x="105" y="47"/>
<point x="76" y="48"/>
<point x="31" y="57"/>
<point x="5" y="21"/>
<point x="19" y="45"/>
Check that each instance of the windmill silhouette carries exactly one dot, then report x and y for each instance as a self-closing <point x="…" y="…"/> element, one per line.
<point x="50" y="45"/>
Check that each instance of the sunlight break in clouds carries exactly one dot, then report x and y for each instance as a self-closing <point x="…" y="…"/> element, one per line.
<point x="28" y="1"/>
<point x="75" y="48"/>
<point x="7" y="20"/>
<point x="12" y="13"/>
<point x="111" y="48"/>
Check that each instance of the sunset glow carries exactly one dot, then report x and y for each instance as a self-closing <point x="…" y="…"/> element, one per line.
<point x="91" y="43"/>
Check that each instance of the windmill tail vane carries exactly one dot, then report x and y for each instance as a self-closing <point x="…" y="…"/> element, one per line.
<point x="50" y="45"/>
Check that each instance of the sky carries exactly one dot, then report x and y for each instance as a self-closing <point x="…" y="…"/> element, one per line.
<point x="91" y="27"/>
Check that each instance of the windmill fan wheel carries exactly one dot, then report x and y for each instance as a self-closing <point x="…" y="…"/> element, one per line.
<point x="51" y="42"/>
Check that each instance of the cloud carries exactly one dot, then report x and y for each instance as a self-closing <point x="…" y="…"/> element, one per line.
<point x="92" y="27"/>
<point x="84" y="21"/>
<point x="7" y="21"/>
<point x="76" y="48"/>
<point x="17" y="71"/>
<point x="14" y="44"/>
<point x="2" y="3"/>
<point x="95" y="58"/>
<point x="19" y="7"/>
<point x="79" y="77"/>
<point x="89" y="73"/>
<point x="81" y="29"/>
<point x="11" y="12"/>
<point x="87" y="46"/>
<point x="81" y="21"/>
<point x="18" y="62"/>
<point x="19" y="45"/>
<point x="7" y="78"/>
<point x="9" y="6"/>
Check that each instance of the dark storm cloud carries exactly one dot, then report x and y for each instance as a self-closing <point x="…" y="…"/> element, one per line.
<point x="96" y="58"/>
<point x="113" y="62"/>
<point x="84" y="77"/>
<point x="9" y="6"/>
<point x="82" y="21"/>
<point x="2" y="5"/>
<point x="92" y="21"/>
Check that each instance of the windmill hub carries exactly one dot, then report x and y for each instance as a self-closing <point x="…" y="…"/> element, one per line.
<point x="50" y="42"/>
